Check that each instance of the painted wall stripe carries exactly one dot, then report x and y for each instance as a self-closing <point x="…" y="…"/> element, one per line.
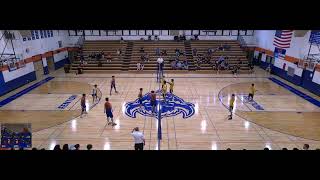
<point x="297" y="92"/>
<point x="23" y="92"/>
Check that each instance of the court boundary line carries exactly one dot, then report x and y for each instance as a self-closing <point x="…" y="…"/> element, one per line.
<point x="220" y="99"/>
<point x="125" y="77"/>
<point x="296" y="91"/>
<point x="24" y="91"/>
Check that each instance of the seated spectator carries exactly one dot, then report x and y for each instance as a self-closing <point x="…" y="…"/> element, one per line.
<point x="194" y="51"/>
<point x="57" y="147"/>
<point x="146" y="57"/>
<point x="220" y="48"/>
<point x="266" y="148"/>
<point x="306" y="147"/>
<point x="196" y="37"/>
<point x="220" y="60"/>
<point x="77" y="147"/>
<point x="228" y="149"/>
<point x="89" y="147"/>
<point x="109" y="58"/>
<point x="177" y="51"/>
<point x="173" y="64"/>
<point x="179" y="65"/>
<point x="121" y="39"/>
<point x="141" y="50"/>
<point x="210" y="51"/>
<point x="149" y="38"/>
<point x="164" y="52"/>
<point x="65" y="147"/>
<point x="140" y="65"/>
<point x="284" y="149"/>
<point x="185" y="64"/>
<point x="79" y="69"/>
<point x="236" y="69"/>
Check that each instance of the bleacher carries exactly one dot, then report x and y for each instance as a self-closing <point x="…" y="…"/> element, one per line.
<point x="91" y="65"/>
<point x="131" y="55"/>
<point x="234" y="53"/>
<point x="150" y="48"/>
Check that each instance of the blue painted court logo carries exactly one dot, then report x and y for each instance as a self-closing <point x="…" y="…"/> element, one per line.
<point x="173" y="106"/>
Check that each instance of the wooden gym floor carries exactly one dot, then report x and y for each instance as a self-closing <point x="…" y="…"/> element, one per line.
<point x="286" y="121"/>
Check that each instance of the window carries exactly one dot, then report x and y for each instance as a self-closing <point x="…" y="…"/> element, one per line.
<point x="119" y="32"/>
<point x="226" y="32"/>
<point x="41" y="34"/>
<point x="133" y="32"/>
<point x="126" y="32"/>
<point x="45" y="34"/>
<point x="195" y="32"/>
<point x="219" y="33"/>
<point x="33" y="35"/>
<point x="156" y="32"/>
<point x="111" y="33"/>
<point x="149" y="32"/>
<point x="37" y="34"/>
<point x="142" y="32"/>
<point x="164" y="32"/>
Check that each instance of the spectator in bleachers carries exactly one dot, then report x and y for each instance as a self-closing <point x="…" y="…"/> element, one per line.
<point x="76" y="147"/>
<point x="89" y="147"/>
<point x="173" y="64"/>
<point x="236" y="69"/>
<point x="185" y="64"/>
<point x="306" y="147"/>
<point x="109" y="58"/>
<point x="141" y="50"/>
<point x="140" y="65"/>
<point x="164" y="52"/>
<point x="65" y="147"/>
<point x="57" y="147"/>
<point x="194" y="51"/>
<point x="177" y="51"/>
<point x="146" y="57"/>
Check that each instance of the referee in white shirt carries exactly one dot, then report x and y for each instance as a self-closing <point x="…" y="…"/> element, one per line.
<point x="139" y="140"/>
<point x="160" y="66"/>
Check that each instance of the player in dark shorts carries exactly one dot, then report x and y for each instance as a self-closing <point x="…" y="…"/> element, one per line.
<point x="231" y="105"/>
<point x="113" y="85"/>
<point x="153" y="97"/>
<point x="251" y="93"/>
<point x="140" y="97"/>
<point x="83" y="105"/>
<point x="94" y="93"/>
<point x="171" y="85"/>
<point x="108" y="112"/>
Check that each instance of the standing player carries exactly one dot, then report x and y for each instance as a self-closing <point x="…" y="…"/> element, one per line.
<point x="171" y="85"/>
<point x="108" y="112"/>
<point x="94" y="93"/>
<point x="140" y="97"/>
<point x="153" y="97"/>
<point x="162" y="81"/>
<point x="113" y="85"/>
<point x="164" y="90"/>
<point x="83" y="105"/>
<point x="231" y="103"/>
<point x="251" y="93"/>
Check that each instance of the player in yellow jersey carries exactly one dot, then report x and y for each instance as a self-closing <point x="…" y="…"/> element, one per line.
<point x="231" y="104"/>
<point x="164" y="90"/>
<point x="162" y="81"/>
<point x="171" y="85"/>
<point x="251" y="92"/>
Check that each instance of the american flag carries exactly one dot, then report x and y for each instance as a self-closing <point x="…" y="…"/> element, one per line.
<point x="282" y="38"/>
